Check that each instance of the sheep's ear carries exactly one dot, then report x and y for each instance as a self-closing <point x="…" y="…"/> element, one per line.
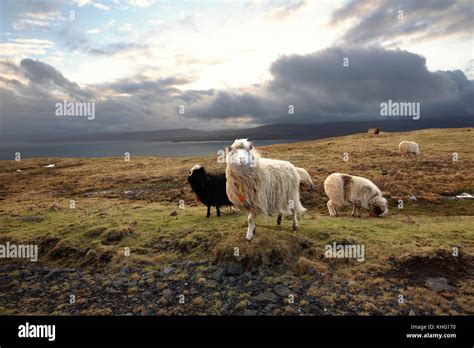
<point x="227" y="149"/>
<point x="251" y="146"/>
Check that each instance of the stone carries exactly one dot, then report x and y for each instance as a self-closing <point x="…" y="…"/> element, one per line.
<point x="266" y="296"/>
<point x="168" y="294"/>
<point x="99" y="277"/>
<point x="53" y="274"/>
<point x="282" y="290"/>
<point x="168" y="270"/>
<point x="438" y="284"/>
<point x="111" y="290"/>
<point x="217" y="274"/>
<point x="234" y="268"/>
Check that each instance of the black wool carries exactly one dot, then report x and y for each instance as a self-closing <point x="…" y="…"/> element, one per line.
<point x="209" y="188"/>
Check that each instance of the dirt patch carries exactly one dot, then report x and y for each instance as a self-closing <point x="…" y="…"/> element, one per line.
<point x="312" y="267"/>
<point x="64" y="251"/>
<point x="116" y="234"/>
<point x="440" y="263"/>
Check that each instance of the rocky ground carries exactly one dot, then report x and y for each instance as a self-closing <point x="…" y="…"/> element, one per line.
<point x="199" y="288"/>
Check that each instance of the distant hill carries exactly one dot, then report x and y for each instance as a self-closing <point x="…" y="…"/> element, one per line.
<point x="276" y="131"/>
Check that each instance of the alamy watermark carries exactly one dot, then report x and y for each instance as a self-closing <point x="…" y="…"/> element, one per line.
<point x="37" y="331"/>
<point x="345" y="251"/>
<point x="19" y="251"/>
<point x="75" y="109"/>
<point x="397" y="109"/>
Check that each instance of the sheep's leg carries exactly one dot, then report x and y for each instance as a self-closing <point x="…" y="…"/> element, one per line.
<point x="295" y="221"/>
<point x="331" y="208"/>
<point x="251" y="226"/>
<point x="279" y="216"/>
<point x="355" y="211"/>
<point x="208" y="211"/>
<point x="218" y="211"/>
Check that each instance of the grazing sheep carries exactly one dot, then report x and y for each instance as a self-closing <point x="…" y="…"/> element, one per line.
<point x="305" y="178"/>
<point x="343" y="190"/>
<point x="409" y="147"/>
<point x="261" y="185"/>
<point x="210" y="189"/>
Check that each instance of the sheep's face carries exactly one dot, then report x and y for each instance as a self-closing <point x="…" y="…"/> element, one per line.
<point x="242" y="153"/>
<point x="196" y="173"/>
<point x="379" y="207"/>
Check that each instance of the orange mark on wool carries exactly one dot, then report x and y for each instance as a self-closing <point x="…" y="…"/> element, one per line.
<point x="241" y="195"/>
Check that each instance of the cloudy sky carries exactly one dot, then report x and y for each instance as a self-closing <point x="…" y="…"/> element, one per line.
<point x="229" y="63"/>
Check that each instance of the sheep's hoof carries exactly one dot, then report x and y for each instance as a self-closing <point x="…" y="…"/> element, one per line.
<point x="253" y="233"/>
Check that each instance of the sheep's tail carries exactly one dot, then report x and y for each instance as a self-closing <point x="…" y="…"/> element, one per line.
<point x="305" y="178"/>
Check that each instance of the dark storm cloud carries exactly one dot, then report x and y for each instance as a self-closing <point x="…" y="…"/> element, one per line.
<point x="28" y="103"/>
<point x="134" y="85"/>
<point x="317" y="85"/>
<point x="44" y="74"/>
<point x="228" y="104"/>
<point x="321" y="89"/>
<point x="379" y="21"/>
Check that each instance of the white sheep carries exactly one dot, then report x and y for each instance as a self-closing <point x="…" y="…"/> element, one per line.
<point x="409" y="147"/>
<point x="261" y="185"/>
<point x="344" y="190"/>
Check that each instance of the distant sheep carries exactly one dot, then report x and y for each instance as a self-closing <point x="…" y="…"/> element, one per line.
<point x="373" y="131"/>
<point x="344" y="190"/>
<point x="210" y="189"/>
<point x="262" y="185"/>
<point x="408" y="147"/>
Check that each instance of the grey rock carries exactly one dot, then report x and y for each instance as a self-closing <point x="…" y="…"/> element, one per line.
<point x="53" y="274"/>
<point x="246" y="277"/>
<point x="250" y="312"/>
<point x="168" y="270"/>
<point x="282" y="290"/>
<point x="111" y="290"/>
<point x="168" y="294"/>
<point x="438" y="284"/>
<point x="99" y="277"/>
<point x="271" y="306"/>
<point x="215" y="273"/>
<point x="189" y="264"/>
<point x="235" y="268"/>
<point x="266" y="296"/>
<point x="69" y="270"/>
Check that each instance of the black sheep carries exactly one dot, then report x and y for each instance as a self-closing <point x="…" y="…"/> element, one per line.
<point x="209" y="188"/>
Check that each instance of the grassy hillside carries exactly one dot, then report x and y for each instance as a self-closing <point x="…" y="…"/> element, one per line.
<point x="177" y="252"/>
